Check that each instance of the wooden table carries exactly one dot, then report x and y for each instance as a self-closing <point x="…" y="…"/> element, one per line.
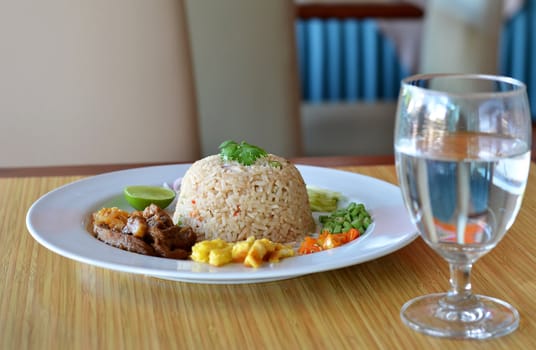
<point x="50" y="302"/>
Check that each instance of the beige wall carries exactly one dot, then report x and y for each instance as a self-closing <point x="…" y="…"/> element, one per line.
<point x="95" y="81"/>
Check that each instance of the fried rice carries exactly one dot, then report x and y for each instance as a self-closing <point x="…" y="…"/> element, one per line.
<point x="231" y="201"/>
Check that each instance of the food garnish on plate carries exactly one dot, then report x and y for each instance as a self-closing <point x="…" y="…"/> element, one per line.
<point x="242" y="205"/>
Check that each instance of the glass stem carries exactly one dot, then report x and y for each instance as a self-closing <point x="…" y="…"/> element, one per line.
<point x="460" y="295"/>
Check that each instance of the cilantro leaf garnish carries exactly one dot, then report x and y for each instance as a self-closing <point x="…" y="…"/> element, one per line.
<point x="242" y="152"/>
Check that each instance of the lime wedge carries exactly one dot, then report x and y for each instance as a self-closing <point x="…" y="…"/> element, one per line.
<point x="140" y="197"/>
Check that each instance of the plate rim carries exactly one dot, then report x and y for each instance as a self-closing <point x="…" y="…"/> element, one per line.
<point x="222" y="274"/>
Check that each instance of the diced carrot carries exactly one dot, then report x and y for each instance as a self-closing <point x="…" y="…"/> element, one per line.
<point x="327" y="240"/>
<point x="334" y="240"/>
<point x="308" y="246"/>
<point x="352" y="234"/>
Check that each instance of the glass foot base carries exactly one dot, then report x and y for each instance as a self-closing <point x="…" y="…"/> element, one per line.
<point x="491" y="318"/>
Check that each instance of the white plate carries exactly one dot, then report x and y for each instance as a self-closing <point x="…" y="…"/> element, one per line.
<point x="58" y="221"/>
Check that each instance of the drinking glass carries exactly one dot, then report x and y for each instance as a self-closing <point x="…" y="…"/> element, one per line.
<point x="462" y="147"/>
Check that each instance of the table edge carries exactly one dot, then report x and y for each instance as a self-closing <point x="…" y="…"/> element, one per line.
<point x="94" y="169"/>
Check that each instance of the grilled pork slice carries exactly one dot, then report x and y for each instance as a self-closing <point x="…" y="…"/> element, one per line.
<point x="123" y="241"/>
<point x="148" y="232"/>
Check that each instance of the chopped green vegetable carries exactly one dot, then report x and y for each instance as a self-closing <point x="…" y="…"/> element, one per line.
<point x="276" y="164"/>
<point x="323" y="200"/>
<point x="342" y="220"/>
<point x="242" y="152"/>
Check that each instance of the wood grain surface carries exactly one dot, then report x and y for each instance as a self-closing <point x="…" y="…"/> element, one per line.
<point x="50" y="302"/>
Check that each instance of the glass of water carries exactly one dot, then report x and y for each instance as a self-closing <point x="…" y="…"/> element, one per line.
<point x="462" y="147"/>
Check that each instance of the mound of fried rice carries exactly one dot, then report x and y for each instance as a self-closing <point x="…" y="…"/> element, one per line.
<point x="231" y="201"/>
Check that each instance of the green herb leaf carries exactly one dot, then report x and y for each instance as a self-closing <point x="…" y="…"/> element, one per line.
<point x="243" y="153"/>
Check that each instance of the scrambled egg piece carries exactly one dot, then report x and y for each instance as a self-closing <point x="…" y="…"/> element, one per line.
<point x="241" y="249"/>
<point x="251" y="252"/>
<point x="202" y="251"/>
